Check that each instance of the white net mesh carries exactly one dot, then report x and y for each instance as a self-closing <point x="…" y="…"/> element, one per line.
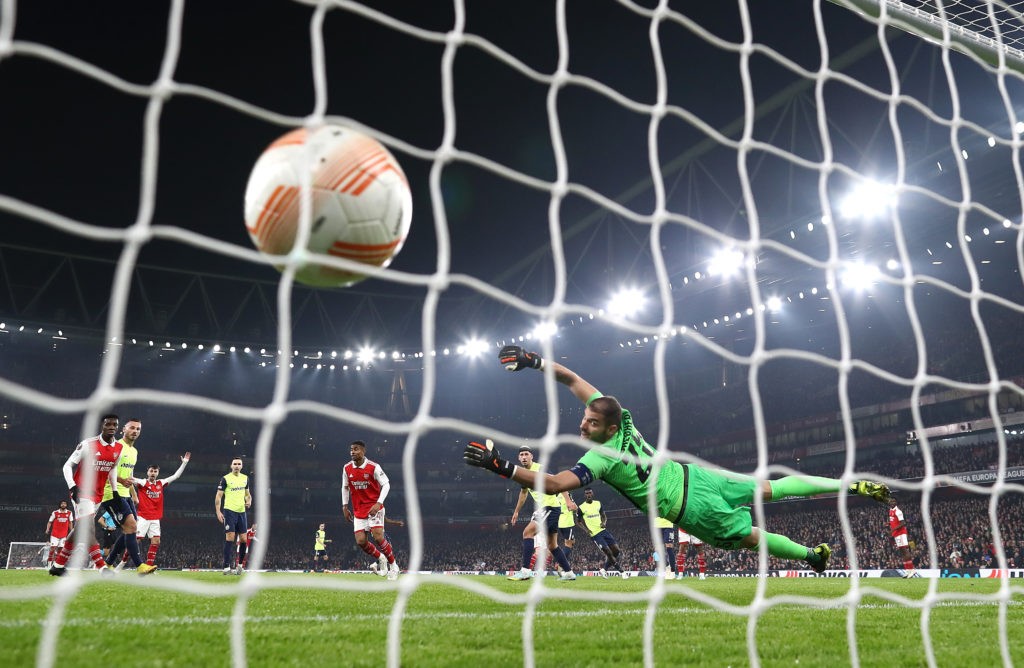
<point x="865" y="187"/>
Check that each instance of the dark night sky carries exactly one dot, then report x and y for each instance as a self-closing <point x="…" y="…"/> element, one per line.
<point x="73" y="145"/>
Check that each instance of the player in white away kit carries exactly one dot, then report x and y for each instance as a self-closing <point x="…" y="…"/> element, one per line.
<point x="58" y="528"/>
<point x="365" y="483"/>
<point x="151" y="507"/>
<point x="898" y="528"/>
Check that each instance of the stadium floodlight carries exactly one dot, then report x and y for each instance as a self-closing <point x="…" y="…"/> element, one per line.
<point x="626" y="303"/>
<point x="476" y="347"/>
<point x="216" y="347"/>
<point x="232" y="349"/>
<point x="867" y="200"/>
<point x="365" y="355"/>
<point x="774" y="304"/>
<point x="200" y="346"/>
<point x="725" y="263"/>
<point x="858" y="276"/>
<point x="246" y="349"/>
<point x="544" y="330"/>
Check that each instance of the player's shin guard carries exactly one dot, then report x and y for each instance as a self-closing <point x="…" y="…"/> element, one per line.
<point x="385" y="548"/>
<point x="229" y="553"/>
<point x="370" y="549"/>
<point x="151" y="555"/>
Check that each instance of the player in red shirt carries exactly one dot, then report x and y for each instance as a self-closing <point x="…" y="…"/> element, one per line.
<point x="58" y="528"/>
<point x="250" y="538"/>
<point x="151" y="507"/>
<point x="91" y="466"/>
<point x="898" y="528"/>
<point x="367" y="485"/>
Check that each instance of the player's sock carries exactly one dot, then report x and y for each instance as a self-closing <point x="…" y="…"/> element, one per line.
<point x="62" y="557"/>
<point x="560" y="559"/>
<point x="151" y="554"/>
<point x="802" y="485"/>
<point x="385" y="548"/>
<point x="533" y="560"/>
<point x="96" y="554"/>
<point x="908" y="564"/>
<point x="124" y="557"/>
<point x="229" y="553"/>
<point x="670" y="556"/>
<point x="784" y="548"/>
<point x="242" y="549"/>
<point x="702" y="565"/>
<point x="567" y="551"/>
<point x="117" y="550"/>
<point x="131" y="542"/>
<point x="681" y="559"/>
<point x="527" y="553"/>
<point x="371" y="549"/>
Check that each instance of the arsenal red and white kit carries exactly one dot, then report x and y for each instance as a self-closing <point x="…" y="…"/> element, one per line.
<point x="102" y="457"/>
<point x="367" y="485"/>
<point x="60" y="523"/>
<point x="895" y="519"/>
<point x="151" y="500"/>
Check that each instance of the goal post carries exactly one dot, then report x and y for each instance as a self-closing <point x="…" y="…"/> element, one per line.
<point x="27" y="555"/>
<point x="967" y="23"/>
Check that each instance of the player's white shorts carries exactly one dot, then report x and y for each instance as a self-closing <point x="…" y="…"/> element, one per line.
<point x="540" y="515"/>
<point x="371" y="521"/>
<point x="901" y="540"/>
<point x="148" y="528"/>
<point x="57" y="542"/>
<point x="687" y="538"/>
<point x="84" y="507"/>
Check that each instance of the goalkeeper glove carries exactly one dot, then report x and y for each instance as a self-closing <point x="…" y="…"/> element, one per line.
<point x="487" y="457"/>
<point x="74" y="493"/>
<point x="514" y="358"/>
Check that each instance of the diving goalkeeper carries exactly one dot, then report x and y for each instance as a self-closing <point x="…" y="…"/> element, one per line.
<point x="708" y="504"/>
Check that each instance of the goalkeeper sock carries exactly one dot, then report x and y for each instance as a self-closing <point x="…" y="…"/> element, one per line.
<point x="784" y="548"/>
<point x="802" y="485"/>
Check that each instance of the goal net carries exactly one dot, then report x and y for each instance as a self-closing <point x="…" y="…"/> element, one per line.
<point x="27" y="555"/>
<point x="786" y="235"/>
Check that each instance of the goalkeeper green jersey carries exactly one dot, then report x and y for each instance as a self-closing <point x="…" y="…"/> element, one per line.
<point x="624" y="462"/>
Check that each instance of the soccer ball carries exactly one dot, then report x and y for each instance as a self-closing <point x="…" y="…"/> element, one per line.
<point x="361" y="203"/>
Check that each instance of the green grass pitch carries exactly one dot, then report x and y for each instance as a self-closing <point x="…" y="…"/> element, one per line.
<point x="184" y="619"/>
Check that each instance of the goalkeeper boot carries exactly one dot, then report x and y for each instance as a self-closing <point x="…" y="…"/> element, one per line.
<point x="819" y="562"/>
<point x="521" y="574"/>
<point x="873" y="490"/>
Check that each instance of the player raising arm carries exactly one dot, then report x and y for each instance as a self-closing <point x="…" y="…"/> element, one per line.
<point x="711" y="505"/>
<point x="151" y="506"/>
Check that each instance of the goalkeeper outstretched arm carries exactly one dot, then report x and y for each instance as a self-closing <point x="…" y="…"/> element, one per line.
<point x="515" y="358"/>
<point x="486" y="456"/>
